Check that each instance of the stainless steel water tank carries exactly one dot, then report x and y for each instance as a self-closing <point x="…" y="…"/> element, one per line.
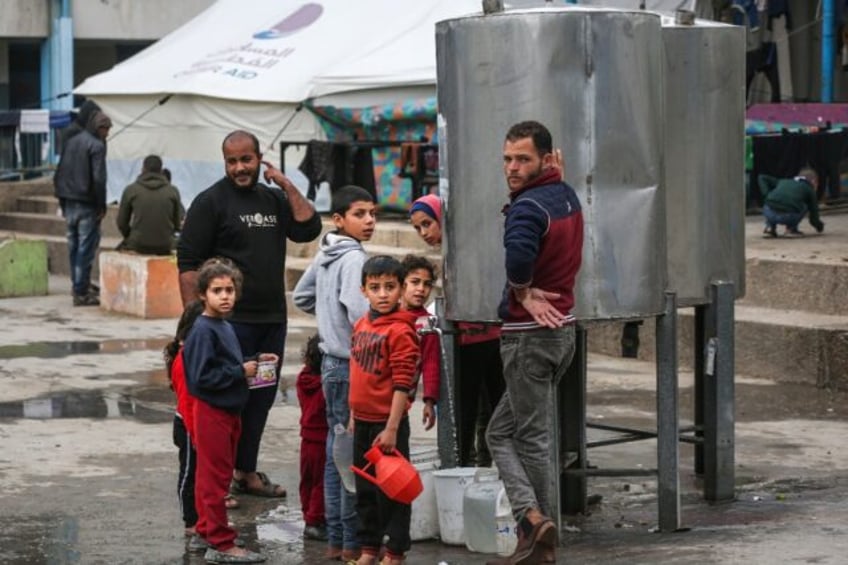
<point x="704" y="157"/>
<point x="594" y="78"/>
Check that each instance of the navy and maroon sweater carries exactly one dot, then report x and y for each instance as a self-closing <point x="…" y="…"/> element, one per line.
<point x="543" y="239"/>
<point x="214" y="369"/>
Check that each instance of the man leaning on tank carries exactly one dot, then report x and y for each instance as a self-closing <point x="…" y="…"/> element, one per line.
<point x="543" y="241"/>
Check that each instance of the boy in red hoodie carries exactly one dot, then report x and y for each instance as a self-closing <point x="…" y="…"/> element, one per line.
<point x="383" y="359"/>
<point x="313" y="442"/>
<point x="418" y="280"/>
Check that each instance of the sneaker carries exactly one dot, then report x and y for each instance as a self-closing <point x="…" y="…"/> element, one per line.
<point x="770" y="231"/>
<point x="318" y="533"/>
<point x="215" y="556"/>
<point x="86" y="300"/>
<point x="197" y="544"/>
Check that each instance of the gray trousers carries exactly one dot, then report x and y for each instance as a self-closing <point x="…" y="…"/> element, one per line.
<point x="522" y="429"/>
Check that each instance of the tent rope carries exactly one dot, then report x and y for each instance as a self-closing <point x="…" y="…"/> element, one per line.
<point x="297" y="109"/>
<point x="158" y="103"/>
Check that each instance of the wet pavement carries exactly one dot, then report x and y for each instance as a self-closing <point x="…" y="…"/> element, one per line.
<point x="88" y="468"/>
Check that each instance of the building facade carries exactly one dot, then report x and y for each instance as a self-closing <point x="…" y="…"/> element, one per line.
<point x="49" y="46"/>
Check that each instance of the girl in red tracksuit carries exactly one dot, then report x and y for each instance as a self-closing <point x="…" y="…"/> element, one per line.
<point x="313" y="442"/>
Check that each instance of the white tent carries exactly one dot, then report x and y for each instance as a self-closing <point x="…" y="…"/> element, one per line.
<point x="249" y="64"/>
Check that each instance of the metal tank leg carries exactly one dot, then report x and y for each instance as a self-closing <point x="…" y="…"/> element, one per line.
<point x="572" y="432"/>
<point x="668" y="479"/>
<point x="719" y="399"/>
<point x="446" y="426"/>
<point x="699" y="346"/>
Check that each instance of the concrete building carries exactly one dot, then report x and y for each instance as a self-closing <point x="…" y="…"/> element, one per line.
<point x="49" y="46"/>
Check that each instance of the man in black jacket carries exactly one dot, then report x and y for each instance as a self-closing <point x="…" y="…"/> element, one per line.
<point x="80" y="186"/>
<point x="249" y="222"/>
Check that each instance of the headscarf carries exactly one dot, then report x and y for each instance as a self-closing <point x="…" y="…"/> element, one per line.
<point x="430" y="204"/>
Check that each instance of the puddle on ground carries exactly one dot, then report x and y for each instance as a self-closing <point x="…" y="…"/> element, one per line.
<point x="147" y="405"/>
<point x="58" y="349"/>
<point x="40" y="539"/>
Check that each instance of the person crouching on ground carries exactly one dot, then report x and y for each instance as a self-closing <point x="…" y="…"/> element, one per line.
<point x="217" y="374"/>
<point x="787" y="201"/>
<point x="383" y="358"/>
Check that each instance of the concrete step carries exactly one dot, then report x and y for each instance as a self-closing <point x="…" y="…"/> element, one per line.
<point x="52" y="224"/>
<point x="57" y="250"/>
<point x="810" y="285"/>
<point x="389" y="233"/>
<point x="296" y="264"/>
<point x="46" y="204"/>
<point x="784" y="345"/>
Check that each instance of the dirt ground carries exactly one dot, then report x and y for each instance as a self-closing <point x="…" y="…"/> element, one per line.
<point x="89" y="471"/>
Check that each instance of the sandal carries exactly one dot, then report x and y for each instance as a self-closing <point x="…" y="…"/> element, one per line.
<point x="268" y="489"/>
<point x="231" y="502"/>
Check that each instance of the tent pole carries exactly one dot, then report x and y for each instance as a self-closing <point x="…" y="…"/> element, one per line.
<point x="828" y="48"/>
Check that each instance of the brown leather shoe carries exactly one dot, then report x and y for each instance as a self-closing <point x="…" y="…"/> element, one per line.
<point x="533" y="548"/>
<point x="350" y="555"/>
<point x="548" y="554"/>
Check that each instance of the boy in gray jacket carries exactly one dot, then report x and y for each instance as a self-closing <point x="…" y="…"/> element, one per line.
<point x="330" y="289"/>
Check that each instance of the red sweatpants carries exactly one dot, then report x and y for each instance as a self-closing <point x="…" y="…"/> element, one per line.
<point x="313" y="455"/>
<point x="216" y="435"/>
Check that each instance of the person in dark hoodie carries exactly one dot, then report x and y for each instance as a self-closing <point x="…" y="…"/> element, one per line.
<point x="80" y="186"/>
<point x="330" y="289"/>
<point x="150" y="211"/>
<point x="78" y="125"/>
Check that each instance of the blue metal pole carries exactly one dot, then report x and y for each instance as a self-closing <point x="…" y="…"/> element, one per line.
<point x="828" y="50"/>
<point x="57" y="60"/>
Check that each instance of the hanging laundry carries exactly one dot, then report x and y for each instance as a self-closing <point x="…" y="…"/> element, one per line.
<point x="362" y="169"/>
<point x="324" y="162"/>
<point x="35" y="121"/>
<point x="409" y="159"/>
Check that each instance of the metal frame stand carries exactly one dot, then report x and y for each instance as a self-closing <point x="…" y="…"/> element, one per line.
<point x="446" y="428"/>
<point x="574" y="445"/>
<point x="715" y="398"/>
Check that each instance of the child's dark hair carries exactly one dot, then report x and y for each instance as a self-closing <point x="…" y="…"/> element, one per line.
<point x="190" y="314"/>
<point x="382" y="265"/>
<point x="218" y="267"/>
<point x="312" y="354"/>
<point x="414" y="262"/>
<point x="344" y="197"/>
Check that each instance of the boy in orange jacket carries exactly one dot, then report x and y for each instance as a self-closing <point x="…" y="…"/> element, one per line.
<point x="383" y="360"/>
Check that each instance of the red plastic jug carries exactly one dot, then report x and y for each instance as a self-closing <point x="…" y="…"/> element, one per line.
<point x="395" y="476"/>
